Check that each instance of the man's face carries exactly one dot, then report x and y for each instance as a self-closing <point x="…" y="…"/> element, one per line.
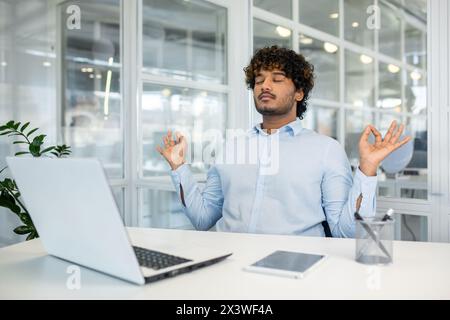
<point x="274" y="93"/>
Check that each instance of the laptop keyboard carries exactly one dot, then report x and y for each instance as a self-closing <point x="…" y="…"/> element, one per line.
<point x="156" y="260"/>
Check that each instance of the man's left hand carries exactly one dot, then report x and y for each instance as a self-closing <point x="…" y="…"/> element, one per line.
<point x="371" y="155"/>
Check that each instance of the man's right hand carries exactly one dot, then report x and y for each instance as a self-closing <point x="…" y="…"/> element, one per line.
<point x="173" y="151"/>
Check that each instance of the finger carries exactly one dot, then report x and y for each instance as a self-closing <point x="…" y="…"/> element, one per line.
<point x="394" y="147"/>
<point x="166" y="141"/>
<point x="404" y="141"/>
<point x="397" y="135"/>
<point x="179" y="136"/>
<point x="391" y="129"/>
<point x="170" y="138"/>
<point x="366" y="133"/>
<point x="377" y="134"/>
<point x="159" y="149"/>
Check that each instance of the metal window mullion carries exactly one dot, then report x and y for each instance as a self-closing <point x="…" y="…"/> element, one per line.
<point x="433" y="98"/>
<point x="342" y="85"/>
<point x="60" y="83"/>
<point x="376" y="65"/>
<point x="154" y="79"/>
<point x="267" y="16"/>
<point x="403" y="80"/>
<point x="296" y="30"/>
<point x="131" y="43"/>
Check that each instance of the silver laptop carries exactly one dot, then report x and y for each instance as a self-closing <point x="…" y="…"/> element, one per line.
<point x="75" y="214"/>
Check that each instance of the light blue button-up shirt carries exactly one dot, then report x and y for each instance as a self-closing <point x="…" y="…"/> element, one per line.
<point x="312" y="182"/>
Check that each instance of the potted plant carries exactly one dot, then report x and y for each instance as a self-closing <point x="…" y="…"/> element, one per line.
<point x="9" y="193"/>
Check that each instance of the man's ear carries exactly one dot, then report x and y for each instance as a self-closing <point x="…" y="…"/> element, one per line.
<point x="299" y="95"/>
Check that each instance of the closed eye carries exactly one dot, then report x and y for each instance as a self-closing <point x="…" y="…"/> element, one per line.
<point x="259" y="80"/>
<point x="279" y="78"/>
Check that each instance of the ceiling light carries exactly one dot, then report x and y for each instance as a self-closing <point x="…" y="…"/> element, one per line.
<point x="3" y="63"/>
<point x="393" y="68"/>
<point x="355" y="24"/>
<point x="329" y="47"/>
<point x="358" y="103"/>
<point x="283" y="32"/>
<point x="305" y="40"/>
<point x="388" y="103"/>
<point x="166" y="92"/>
<point x="46" y="64"/>
<point x="91" y="76"/>
<point x="98" y="76"/>
<point x="89" y="70"/>
<point x="334" y="15"/>
<point x="365" y="59"/>
<point x="415" y="75"/>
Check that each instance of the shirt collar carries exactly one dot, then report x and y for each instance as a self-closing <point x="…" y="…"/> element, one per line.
<point x="293" y="128"/>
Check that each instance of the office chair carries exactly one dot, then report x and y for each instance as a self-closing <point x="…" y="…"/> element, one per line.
<point x="326" y="228"/>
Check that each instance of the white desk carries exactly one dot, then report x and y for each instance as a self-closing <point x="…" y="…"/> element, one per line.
<point x="420" y="271"/>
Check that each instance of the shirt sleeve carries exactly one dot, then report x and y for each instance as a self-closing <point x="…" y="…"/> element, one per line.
<point x="203" y="207"/>
<point x="340" y="192"/>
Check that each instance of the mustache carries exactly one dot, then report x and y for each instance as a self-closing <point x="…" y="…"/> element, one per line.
<point x="272" y="95"/>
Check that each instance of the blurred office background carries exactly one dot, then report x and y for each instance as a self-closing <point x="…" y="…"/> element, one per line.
<point x="133" y="69"/>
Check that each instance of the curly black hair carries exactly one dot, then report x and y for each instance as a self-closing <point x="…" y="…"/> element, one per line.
<point x="300" y="71"/>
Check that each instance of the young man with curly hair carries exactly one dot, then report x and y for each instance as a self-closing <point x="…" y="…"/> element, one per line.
<point x="313" y="192"/>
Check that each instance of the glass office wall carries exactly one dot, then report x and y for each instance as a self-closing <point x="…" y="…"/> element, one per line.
<point x="324" y="55"/>
<point x="184" y="88"/>
<point x="92" y="115"/>
<point x="267" y="34"/>
<point x="58" y="79"/>
<point x="322" y="15"/>
<point x="27" y="82"/>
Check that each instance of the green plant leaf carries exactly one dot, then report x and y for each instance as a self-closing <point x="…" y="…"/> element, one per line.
<point x="24" y="126"/>
<point x="3" y="169"/>
<point x="5" y="133"/>
<point x="32" y="235"/>
<point x="35" y="150"/>
<point x="23" y="230"/>
<point x="20" y="153"/>
<point x="38" y="140"/>
<point x="10" y="124"/>
<point x="25" y="218"/>
<point x="16" y="126"/>
<point x="9" y="202"/>
<point x="9" y="183"/>
<point x="17" y="142"/>
<point x="31" y="132"/>
<point x="47" y="149"/>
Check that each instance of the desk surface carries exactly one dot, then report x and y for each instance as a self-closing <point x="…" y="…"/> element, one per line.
<point x="420" y="270"/>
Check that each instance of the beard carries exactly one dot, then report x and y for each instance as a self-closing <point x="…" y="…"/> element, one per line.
<point x="277" y="107"/>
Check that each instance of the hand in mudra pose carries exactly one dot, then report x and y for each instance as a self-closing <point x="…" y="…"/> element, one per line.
<point x="371" y="155"/>
<point x="174" y="151"/>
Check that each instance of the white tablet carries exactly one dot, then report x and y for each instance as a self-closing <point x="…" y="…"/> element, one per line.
<point x="286" y="263"/>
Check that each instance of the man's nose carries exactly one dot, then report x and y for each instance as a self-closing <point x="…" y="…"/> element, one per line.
<point x="267" y="84"/>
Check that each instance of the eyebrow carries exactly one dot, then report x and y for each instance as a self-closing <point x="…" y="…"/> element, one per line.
<point x="274" y="73"/>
